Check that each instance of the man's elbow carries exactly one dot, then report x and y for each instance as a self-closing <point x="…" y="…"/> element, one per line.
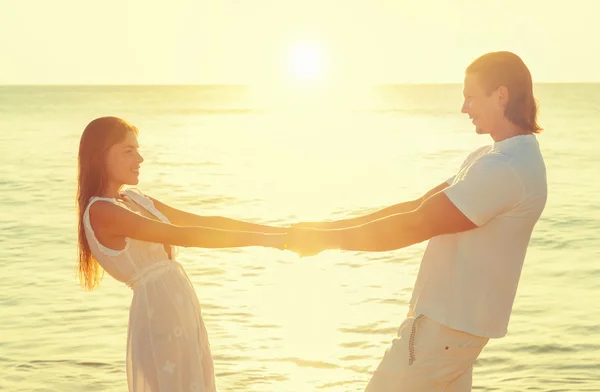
<point x="424" y="228"/>
<point x="417" y="229"/>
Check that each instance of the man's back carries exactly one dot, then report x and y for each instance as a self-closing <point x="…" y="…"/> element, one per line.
<point x="468" y="280"/>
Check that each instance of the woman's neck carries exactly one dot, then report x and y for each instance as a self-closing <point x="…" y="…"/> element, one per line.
<point x="112" y="191"/>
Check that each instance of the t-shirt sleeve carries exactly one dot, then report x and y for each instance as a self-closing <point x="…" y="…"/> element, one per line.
<point x="468" y="160"/>
<point x="487" y="189"/>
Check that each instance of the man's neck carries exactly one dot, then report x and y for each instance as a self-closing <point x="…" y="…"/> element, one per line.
<point x="507" y="130"/>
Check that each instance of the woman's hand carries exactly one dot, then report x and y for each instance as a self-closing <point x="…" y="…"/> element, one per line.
<point x="307" y="242"/>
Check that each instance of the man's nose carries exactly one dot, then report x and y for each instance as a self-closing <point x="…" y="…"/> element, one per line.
<point x="465" y="107"/>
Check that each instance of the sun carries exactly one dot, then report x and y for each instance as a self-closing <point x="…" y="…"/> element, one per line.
<point x="305" y="63"/>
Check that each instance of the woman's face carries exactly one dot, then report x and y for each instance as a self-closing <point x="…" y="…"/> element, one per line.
<point x="123" y="161"/>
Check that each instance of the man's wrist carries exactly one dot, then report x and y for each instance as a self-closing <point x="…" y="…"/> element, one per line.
<point x="335" y="239"/>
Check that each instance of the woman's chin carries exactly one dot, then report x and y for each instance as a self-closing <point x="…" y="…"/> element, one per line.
<point x="132" y="181"/>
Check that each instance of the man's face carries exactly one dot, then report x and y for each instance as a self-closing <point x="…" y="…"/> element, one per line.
<point x="483" y="109"/>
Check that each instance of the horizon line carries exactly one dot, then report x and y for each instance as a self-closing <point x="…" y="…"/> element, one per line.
<point x="250" y="85"/>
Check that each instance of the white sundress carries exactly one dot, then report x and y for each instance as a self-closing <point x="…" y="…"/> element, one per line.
<point x="167" y="343"/>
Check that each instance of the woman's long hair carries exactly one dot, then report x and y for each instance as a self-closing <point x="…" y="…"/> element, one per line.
<point x="97" y="138"/>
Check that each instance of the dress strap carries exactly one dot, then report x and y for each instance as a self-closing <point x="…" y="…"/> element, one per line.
<point x="147" y="203"/>
<point x="144" y="201"/>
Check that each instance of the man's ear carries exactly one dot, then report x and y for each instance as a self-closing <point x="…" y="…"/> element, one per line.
<point x="502" y="93"/>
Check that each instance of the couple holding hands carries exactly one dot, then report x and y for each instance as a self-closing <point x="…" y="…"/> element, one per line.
<point x="478" y="222"/>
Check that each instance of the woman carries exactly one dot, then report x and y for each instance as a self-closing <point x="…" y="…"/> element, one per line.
<point x="131" y="236"/>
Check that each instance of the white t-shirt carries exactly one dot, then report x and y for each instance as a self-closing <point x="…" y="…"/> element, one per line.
<point x="468" y="281"/>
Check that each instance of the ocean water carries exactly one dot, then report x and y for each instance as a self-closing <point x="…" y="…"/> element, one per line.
<point x="278" y="322"/>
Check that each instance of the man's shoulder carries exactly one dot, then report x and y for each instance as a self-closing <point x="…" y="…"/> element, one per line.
<point x="526" y="171"/>
<point x="482" y="150"/>
<point x="489" y="158"/>
<point x="476" y="154"/>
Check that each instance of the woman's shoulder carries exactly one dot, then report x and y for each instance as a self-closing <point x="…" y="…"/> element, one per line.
<point x="138" y="196"/>
<point x="134" y="192"/>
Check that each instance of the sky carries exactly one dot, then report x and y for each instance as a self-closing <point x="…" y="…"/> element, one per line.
<point x="290" y="42"/>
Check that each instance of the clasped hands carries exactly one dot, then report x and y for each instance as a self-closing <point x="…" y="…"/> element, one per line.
<point x="307" y="239"/>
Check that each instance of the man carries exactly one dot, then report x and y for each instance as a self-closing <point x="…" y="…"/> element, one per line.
<point x="479" y="224"/>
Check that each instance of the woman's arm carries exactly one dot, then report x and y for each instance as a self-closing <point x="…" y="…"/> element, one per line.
<point x="113" y="220"/>
<point x="182" y="218"/>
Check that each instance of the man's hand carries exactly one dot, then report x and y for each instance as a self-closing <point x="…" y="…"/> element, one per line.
<point x="305" y="242"/>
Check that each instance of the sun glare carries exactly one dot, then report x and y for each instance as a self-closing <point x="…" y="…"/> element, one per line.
<point x="306" y="63"/>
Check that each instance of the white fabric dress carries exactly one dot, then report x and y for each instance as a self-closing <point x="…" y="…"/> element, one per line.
<point x="167" y="342"/>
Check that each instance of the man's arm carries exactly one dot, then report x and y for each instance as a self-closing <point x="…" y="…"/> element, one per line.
<point x="437" y="215"/>
<point x="182" y="218"/>
<point x="489" y="187"/>
<point x="385" y="212"/>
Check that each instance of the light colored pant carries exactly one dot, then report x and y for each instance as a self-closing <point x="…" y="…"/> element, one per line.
<point x="427" y="357"/>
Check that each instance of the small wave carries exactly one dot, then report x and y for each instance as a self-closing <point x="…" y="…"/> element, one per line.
<point x="230" y="358"/>
<point x="547" y="348"/>
<point x="94" y="364"/>
<point x="218" y="200"/>
<point x="308" y="363"/>
<point x="488" y="360"/>
<point x="42" y="363"/>
<point x="355" y="357"/>
<point x="584" y="329"/>
<point x="370" y="330"/>
<point x="264" y="326"/>
<point x="359" y="344"/>
<point x="337" y="385"/>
